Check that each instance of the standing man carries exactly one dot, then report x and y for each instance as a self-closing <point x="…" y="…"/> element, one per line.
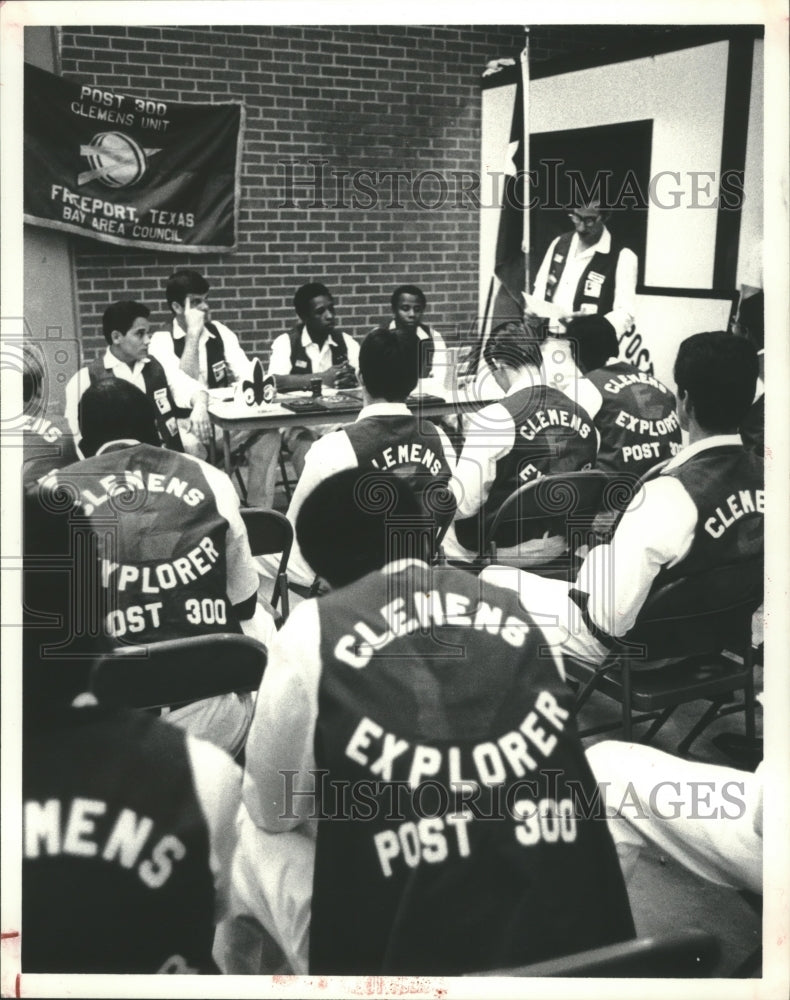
<point x="200" y="354"/>
<point x="313" y="346"/>
<point x="174" y="554"/>
<point x="589" y="271"/>
<point x="126" y="330"/>
<point x="534" y="431"/>
<point x="634" y="413"/>
<point x="412" y="766"/>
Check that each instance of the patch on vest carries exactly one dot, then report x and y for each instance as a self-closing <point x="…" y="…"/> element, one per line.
<point x="300" y="363"/>
<point x="172" y="426"/>
<point x="160" y="398"/>
<point x="593" y="285"/>
<point x="559" y="258"/>
<point x="218" y="369"/>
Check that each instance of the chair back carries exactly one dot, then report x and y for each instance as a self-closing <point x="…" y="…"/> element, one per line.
<point x="702" y="612"/>
<point x="270" y="532"/>
<point x="687" y="954"/>
<point x="177" y="671"/>
<point x="552" y="503"/>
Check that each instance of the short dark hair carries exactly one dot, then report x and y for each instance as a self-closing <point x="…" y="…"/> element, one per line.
<point x="185" y="282"/>
<point x="306" y="294"/>
<point x="510" y="343"/>
<point x="719" y="373"/>
<point x="114" y="409"/>
<point x="407" y="290"/>
<point x="593" y="340"/>
<point x="52" y="516"/>
<point x="32" y="379"/>
<point x="389" y="363"/>
<point x="345" y="526"/>
<point x="121" y="315"/>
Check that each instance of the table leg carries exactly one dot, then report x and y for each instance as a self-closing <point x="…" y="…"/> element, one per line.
<point x="212" y="446"/>
<point x="226" y="452"/>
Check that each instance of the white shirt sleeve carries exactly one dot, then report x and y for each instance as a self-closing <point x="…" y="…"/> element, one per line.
<point x="185" y="389"/>
<point x="242" y="574"/>
<point x="280" y="358"/>
<point x="352" y="350"/>
<point x="217" y="782"/>
<point x="280" y="738"/>
<point x="541" y="277"/>
<point x="75" y="390"/>
<point x="235" y="356"/>
<point x="624" y="306"/>
<point x="490" y="436"/>
<point x="656" y="531"/>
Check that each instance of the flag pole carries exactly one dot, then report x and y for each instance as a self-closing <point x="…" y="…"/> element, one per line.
<point x="524" y="62"/>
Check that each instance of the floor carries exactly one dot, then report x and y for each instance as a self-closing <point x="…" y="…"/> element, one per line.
<point x="664" y="896"/>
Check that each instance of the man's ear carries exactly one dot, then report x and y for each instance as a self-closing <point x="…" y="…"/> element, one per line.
<point x="176" y="307"/>
<point x="115" y="336"/>
<point x="685" y="408"/>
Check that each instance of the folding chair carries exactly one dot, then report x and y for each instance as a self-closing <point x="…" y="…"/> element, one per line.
<point x="565" y="505"/>
<point x="687" y="954"/>
<point x="692" y="621"/>
<point x="178" y="671"/>
<point x="270" y="532"/>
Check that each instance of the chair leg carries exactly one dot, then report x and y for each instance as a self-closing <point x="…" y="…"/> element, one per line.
<point x="242" y="486"/>
<point x="282" y="585"/>
<point x="626" y="668"/>
<point x="703" y="722"/>
<point x="658" y="723"/>
<point x="284" y="476"/>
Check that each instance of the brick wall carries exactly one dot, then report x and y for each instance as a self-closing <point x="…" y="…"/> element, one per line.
<point x="376" y="98"/>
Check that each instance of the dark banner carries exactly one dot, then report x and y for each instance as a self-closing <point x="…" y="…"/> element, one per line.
<point x="131" y="170"/>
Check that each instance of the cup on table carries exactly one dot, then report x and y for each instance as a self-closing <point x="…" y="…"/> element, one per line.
<point x="316" y="386"/>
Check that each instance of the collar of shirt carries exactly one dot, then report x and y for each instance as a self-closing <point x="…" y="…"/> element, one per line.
<point x="399" y="565"/>
<point x="527" y="381"/>
<point x="321" y="357"/>
<point x="422" y="333"/>
<point x="117" y="445"/>
<point x="716" y="441"/>
<point x="384" y="410"/>
<point x="111" y="363"/>
<point x="604" y="245"/>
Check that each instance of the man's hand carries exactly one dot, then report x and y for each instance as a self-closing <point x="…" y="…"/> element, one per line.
<point x="199" y="420"/>
<point x="570" y="317"/>
<point x="194" y="318"/>
<point x="344" y="376"/>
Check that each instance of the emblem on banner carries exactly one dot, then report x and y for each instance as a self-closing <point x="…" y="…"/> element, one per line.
<point x="116" y="160"/>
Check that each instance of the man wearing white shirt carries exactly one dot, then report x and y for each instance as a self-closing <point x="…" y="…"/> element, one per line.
<point x="313" y="346"/>
<point x="125" y="326"/>
<point x="589" y="271"/>
<point x="408" y="305"/>
<point x="705" y="509"/>
<point x="198" y="355"/>
<point x="386" y="435"/>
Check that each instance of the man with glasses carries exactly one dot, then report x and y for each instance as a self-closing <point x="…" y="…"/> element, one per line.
<point x="588" y="271"/>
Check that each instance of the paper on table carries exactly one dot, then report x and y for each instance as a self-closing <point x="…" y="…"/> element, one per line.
<point x="548" y="310"/>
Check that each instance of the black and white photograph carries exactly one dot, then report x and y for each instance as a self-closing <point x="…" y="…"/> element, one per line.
<point x="395" y="499"/>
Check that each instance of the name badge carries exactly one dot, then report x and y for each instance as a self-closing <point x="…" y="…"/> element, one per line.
<point x="559" y="257"/>
<point x="593" y="285"/>
<point x="171" y="426"/>
<point x="300" y="364"/>
<point x="219" y="368"/>
<point x="160" y="398"/>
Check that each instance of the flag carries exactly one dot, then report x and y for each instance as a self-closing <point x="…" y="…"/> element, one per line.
<point x="129" y="170"/>
<point x="510" y="265"/>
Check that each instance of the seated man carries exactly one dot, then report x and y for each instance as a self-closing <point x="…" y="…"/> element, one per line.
<point x="125" y="326"/>
<point x="534" y="431"/>
<point x="386" y="435"/>
<point x="634" y="413"/>
<point x="313" y="346"/>
<point x="408" y="305"/>
<point x="128" y="823"/>
<point x="173" y="550"/>
<point x="47" y="441"/>
<point x="401" y="685"/>
<point x="199" y="354"/>
<point x="704" y="510"/>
